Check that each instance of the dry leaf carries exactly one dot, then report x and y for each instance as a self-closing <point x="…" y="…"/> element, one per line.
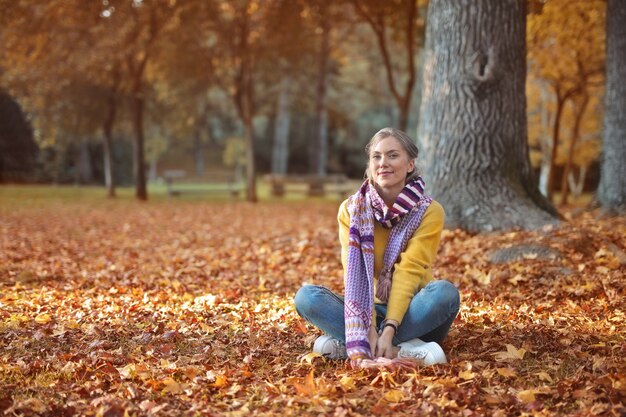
<point x="309" y="357"/>
<point x="526" y="396"/>
<point x="171" y="386"/>
<point x="394" y="396"/>
<point x="507" y="372"/>
<point x="511" y="353"/>
<point x="43" y="318"/>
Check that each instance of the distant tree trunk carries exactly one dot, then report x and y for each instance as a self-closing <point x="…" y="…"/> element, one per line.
<point x="556" y="133"/>
<point x="107" y="128"/>
<point x="198" y="151"/>
<point x="544" y="143"/>
<point x="280" y="148"/>
<point x="612" y="188"/>
<point x="139" y="161"/>
<point x="580" y="111"/>
<point x="244" y="97"/>
<point x="473" y="116"/>
<point x="319" y="153"/>
<point x="577" y="187"/>
<point x="153" y="169"/>
<point x="85" y="168"/>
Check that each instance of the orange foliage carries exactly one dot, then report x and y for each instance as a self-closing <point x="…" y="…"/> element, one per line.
<point x="185" y="308"/>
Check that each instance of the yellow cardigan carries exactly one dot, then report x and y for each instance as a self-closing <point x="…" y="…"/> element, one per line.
<point x="413" y="268"/>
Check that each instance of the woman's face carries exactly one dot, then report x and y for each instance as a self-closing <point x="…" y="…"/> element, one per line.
<point x="389" y="163"/>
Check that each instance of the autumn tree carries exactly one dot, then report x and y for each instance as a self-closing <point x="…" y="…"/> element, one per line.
<point x="472" y="128"/>
<point x="612" y="189"/>
<point x="573" y="32"/>
<point x="396" y="23"/>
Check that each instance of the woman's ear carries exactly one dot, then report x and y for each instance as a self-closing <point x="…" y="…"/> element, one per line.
<point x="411" y="166"/>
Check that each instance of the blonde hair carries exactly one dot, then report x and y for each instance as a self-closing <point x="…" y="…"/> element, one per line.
<point x="407" y="144"/>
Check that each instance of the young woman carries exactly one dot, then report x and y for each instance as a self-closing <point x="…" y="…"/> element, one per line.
<point x="389" y="232"/>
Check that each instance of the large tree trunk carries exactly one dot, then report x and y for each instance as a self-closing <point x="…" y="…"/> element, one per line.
<point x="319" y="151"/>
<point x="612" y="188"/>
<point x="280" y="148"/>
<point x="473" y="116"/>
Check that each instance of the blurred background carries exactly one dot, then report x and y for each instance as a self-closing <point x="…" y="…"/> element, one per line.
<point x="112" y="92"/>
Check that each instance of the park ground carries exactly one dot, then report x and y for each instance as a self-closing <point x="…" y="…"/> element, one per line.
<point x="183" y="306"/>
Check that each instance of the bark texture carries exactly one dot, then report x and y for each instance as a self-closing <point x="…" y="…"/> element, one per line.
<point x="473" y="130"/>
<point x="612" y="188"/>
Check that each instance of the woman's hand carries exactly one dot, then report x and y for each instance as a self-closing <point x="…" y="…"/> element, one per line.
<point x="373" y="339"/>
<point x="384" y="345"/>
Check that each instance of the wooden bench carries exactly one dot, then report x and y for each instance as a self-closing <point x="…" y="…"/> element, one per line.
<point x="312" y="185"/>
<point x="217" y="183"/>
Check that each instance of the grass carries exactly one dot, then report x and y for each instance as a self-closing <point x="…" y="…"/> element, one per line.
<point x="41" y="195"/>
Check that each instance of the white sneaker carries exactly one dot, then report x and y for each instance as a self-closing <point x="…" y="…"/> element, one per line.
<point x="330" y="347"/>
<point x="427" y="353"/>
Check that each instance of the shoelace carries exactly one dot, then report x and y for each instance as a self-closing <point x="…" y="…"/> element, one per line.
<point x="418" y="354"/>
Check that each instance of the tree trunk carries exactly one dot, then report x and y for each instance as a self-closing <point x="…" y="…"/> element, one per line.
<point x="139" y="163"/>
<point x="473" y="128"/>
<point x="244" y="99"/>
<point x="556" y="133"/>
<point x="612" y="188"/>
<point x="198" y="152"/>
<point x="580" y="111"/>
<point x="544" y="142"/>
<point x="280" y="148"/>
<point x="319" y="152"/>
<point x="85" y="168"/>
<point x="107" y="128"/>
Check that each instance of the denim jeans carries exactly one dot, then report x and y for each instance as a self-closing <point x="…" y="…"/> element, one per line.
<point x="429" y="316"/>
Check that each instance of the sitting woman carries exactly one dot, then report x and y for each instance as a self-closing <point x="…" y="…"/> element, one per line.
<point x="389" y="232"/>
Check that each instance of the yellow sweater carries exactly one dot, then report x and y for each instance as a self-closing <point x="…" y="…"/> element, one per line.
<point x="413" y="268"/>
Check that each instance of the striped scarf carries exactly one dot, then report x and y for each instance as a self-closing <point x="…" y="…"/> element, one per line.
<point x="403" y="218"/>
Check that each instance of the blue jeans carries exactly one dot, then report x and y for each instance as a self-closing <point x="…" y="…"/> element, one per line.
<point x="429" y="316"/>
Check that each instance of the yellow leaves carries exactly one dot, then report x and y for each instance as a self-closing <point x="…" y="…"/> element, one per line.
<point x="507" y="372"/>
<point x="171" y="386"/>
<point x="526" y="396"/>
<point x="467" y="375"/>
<point x="43" y="318"/>
<point x="347" y="382"/>
<point x="307" y="387"/>
<point x="394" y="396"/>
<point x="310" y="357"/>
<point x="511" y="353"/>
<point x="220" y="381"/>
<point x="544" y="376"/>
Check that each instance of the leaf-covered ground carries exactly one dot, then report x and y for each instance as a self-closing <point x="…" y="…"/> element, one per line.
<point x="185" y="308"/>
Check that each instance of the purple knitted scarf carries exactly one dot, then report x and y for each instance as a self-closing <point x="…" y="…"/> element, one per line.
<point x="404" y="217"/>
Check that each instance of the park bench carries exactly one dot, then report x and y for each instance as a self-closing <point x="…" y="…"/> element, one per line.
<point x="218" y="183"/>
<point x="312" y="185"/>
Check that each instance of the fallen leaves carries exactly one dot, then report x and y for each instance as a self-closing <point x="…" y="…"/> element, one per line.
<point x="114" y="309"/>
<point x="511" y="353"/>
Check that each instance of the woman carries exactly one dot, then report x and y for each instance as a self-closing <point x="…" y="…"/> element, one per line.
<point x="389" y="232"/>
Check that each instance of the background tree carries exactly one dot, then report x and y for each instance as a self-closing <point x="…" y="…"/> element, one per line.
<point x="396" y="23"/>
<point x="612" y="189"/>
<point x="573" y="31"/>
<point x="18" y="150"/>
<point x="473" y="116"/>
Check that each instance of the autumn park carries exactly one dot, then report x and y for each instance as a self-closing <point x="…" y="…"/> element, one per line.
<point x="186" y="228"/>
